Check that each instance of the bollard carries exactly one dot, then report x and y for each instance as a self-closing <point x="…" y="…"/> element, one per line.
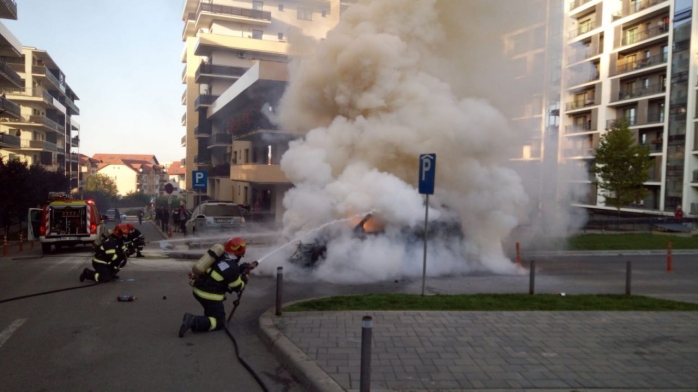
<point x="366" y="332"/>
<point x="668" y="258"/>
<point x="21" y="242"/>
<point x="279" y="283"/>
<point x="532" y="279"/>
<point x="518" y="254"/>
<point x="628" y="274"/>
<point x="4" y="245"/>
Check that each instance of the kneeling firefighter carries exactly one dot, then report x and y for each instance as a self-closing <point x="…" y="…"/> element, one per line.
<point x="135" y="240"/>
<point x="108" y="259"/>
<point x="217" y="272"/>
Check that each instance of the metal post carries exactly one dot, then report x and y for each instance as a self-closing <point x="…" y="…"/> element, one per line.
<point x="21" y="241"/>
<point x="4" y="245"/>
<point x="532" y="279"/>
<point x="366" y="335"/>
<point x="628" y="274"/>
<point x="424" y="268"/>
<point x="668" y="258"/>
<point x="279" y="283"/>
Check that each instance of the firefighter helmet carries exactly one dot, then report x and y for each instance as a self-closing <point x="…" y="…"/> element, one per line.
<point x="130" y="226"/>
<point x="235" y="246"/>
<point x="118" y="231"/>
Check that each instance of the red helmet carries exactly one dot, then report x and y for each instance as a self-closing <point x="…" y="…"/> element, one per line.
<point x="130" y="226"/>
<point x="235" y="246"/>
<point x="118" y="231"/>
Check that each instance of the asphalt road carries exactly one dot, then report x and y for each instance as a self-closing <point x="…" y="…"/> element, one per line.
<point x="83" y="340"/>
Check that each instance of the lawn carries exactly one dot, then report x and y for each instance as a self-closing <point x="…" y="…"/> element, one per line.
<point x="634" y="241"/>
<point x="491" y="302"/>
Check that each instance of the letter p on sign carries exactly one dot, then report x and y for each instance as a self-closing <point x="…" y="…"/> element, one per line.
<point x="427" y="173"/>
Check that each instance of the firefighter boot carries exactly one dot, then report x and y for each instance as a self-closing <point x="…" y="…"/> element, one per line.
<point x="187" y="323"/>
<point x="139" y="254"/>
<point x="83" y="275"/>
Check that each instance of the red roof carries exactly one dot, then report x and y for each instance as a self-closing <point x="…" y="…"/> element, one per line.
<point x="176" y="168"/>
<point x="116" y="158"/>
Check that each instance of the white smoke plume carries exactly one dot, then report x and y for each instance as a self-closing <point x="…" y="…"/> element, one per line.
<point x="384" y="87"/>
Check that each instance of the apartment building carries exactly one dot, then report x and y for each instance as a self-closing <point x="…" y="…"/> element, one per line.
<point x="10" y="48"/>
<point x="133" y="173"/>
<point x="235" y="57"/>
<point x="39" y="118"/>
<point x="633" y="60"/>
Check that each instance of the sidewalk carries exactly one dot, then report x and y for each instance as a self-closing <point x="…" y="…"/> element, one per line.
<point x="466" y="351"/>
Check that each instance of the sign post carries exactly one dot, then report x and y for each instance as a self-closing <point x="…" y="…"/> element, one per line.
<point x="427" y="175"/>
<point x="200" y="182"/>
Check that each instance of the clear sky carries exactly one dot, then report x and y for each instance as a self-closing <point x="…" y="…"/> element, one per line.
<point x="123" y="60"/>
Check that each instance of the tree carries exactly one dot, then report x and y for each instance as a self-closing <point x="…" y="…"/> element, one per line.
<point x="101" y="183"/>
<point x="622" y="166"/>
<point x="133" y="199"/>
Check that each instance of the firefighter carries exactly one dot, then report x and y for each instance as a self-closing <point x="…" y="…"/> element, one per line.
<point x="226" y="274"/>
<point x="108" y="259"/>
<point x="135" y="240"/>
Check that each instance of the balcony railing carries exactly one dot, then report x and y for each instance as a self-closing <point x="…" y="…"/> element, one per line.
<point x="579" y="128"/>
<point x="190" y="17"/>
<point x="69" y="103"/>
<point x="184" y="74"/>
<point x="637" y="92"/>
<point x="631" y="120"/>
<point x="9" y="141"/>
<point x="184" y="97"/>
<point x="655" y="146"/>
<point x="582" y="54"/>
<point x="219" y="70"/>
<point x="219" y="139"/>
<point x="202" y="131"/>
<point x="581" y="103"/>
<point x="582" y="79"/>
<point x="184" y="118"/>
<point x="10" y="108"/>
<point x="202" y="159"/>
<point x="12" y="6"/>
<point x="220" y="171"/>
<point x="54" y="126"/>
<point x="640" y="6"/>
<point x="641" y="63"/>
<point x="10" y="73"/>
<point x="40" y="145"/>
<point x="583" y="29"/>
<point x="577" y="3"/>
<point x="41" y="70"/>
<point x="639" y="36"/>
<point x="234" y="11"/>
<point x="28" y="92"/>
<point x="75" y="142"/>
<point x="205" y="100"/>
<point x="183" y="142"/>
<point x="655" y="117"/>
<point x="74" y="157"/>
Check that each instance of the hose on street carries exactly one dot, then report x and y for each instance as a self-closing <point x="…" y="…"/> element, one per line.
<point x="47" y="292"/>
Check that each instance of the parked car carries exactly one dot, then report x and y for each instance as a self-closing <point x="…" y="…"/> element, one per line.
<point x="215" y="216"/>
<point x="111" y="214"/>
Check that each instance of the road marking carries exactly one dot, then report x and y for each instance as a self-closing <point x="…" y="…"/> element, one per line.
<point x="5" y="335"/>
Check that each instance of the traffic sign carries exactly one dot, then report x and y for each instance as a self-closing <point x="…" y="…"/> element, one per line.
<point x="169" y="188"/>
<point x="427" y="173"/>
<point x="200" y="178"/>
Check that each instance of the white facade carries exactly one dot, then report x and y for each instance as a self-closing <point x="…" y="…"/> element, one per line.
<point x="124" y="177"/>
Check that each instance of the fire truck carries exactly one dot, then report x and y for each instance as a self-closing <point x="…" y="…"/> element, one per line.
<point x="63" y="221"/>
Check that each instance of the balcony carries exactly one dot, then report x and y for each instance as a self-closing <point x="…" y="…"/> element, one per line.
<point x="638" y="92"/>
<point x="577" y="3"/>
<point x="220" y="171"/>
<point x="636" y="7"/>
<point x="24" y="94"/>
<point x="8" y="9"/>
<point x="631" y="120"/>
<point x="579" y="128"/>
<point x="184" y="119"/>
<point x="184" y="97"/>
<point x="639" y="36"/>
<point x="655" y="146"/>
<point x="250" y="121"/>
<point x="205" y="14"/>
<point x="40" y="70"/>
<point x="581" y="103"/>
<point x="184" y="75"/>
<point x="10" y="74"/>
<point x="583" y="29"/>
<point x="577" y="152"/>
<point x="582" y="54"/>
<point x="640" y="64"/>
<point x="189" y="28"/>
<point x="48" y="123"/>
<point x="73" y="157"/>
<point x="204" y="100"/>
<point x="258" y="173"/>
<point x="9" y="109"/>
<point x="75" y="142"/>
<point x="39" y="145"/>
<point x="70" y="105"/>
<point x="202" y="159"/>
<point x="583" y="79"/>
<point x="202" y="131"/>
<point x="184" y="141"/>
<point x="9" y="141"/>
<point x="220" y="140"/>
<point x="206" y="72"/>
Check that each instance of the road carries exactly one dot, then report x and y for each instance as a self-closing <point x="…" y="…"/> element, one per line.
<point x="84" y="339"/>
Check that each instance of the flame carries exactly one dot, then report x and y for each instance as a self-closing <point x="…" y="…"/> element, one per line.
<point x="374" y="224"/>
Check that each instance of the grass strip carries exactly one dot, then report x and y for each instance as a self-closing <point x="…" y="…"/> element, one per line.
<point x="630" y="241"/>
<point x="492" y="302"/>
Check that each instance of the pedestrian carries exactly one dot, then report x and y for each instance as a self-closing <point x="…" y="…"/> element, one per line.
<point x="135" y="239"/>
<point x="226" y="274"/>
<point x="158" y="216"/>
<point x="183" y="218"/>
<point x="140" y="217"/>
<point x="175" y="219"/>
<point x="108" y="259"/>
<point x="165" y="220"/>
<point x="117" y="215"/>
<point x="678" y="214"/>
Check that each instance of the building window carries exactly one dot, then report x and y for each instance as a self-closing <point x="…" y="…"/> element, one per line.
<point x="257" y="34"/>
<point x="281" y="7"/>
<point x="247" y="155"/>
<point x="257" y="5"/>
<point x="281" y="36"/>
<point x="305" y="14"/>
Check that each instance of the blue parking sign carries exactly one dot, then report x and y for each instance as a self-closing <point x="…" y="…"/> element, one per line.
<point x="427" y="173"/>
<point x="200" y="179"/>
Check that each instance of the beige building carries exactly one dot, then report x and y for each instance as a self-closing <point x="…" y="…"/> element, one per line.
<point x="10" y="48"/>
<point x="235" y="57"/>
<point x="633" y="60"/>
<point x="133" y="173"/>
<point x="45" y="122"/>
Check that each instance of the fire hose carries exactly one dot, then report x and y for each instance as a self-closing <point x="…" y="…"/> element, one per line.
<point x="47" y="292"/>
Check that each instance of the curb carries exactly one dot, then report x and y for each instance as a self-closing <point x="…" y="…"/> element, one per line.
<point x="302" y="367"/>
<point x="578" y="253"/>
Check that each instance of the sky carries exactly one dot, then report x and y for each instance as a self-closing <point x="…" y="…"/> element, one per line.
<point x="123" y="60"/>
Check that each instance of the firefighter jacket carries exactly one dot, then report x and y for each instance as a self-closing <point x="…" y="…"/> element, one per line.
<point x="110" y="252"/>
<point x="224" y="275"/>
<point x="135" y="239"/>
